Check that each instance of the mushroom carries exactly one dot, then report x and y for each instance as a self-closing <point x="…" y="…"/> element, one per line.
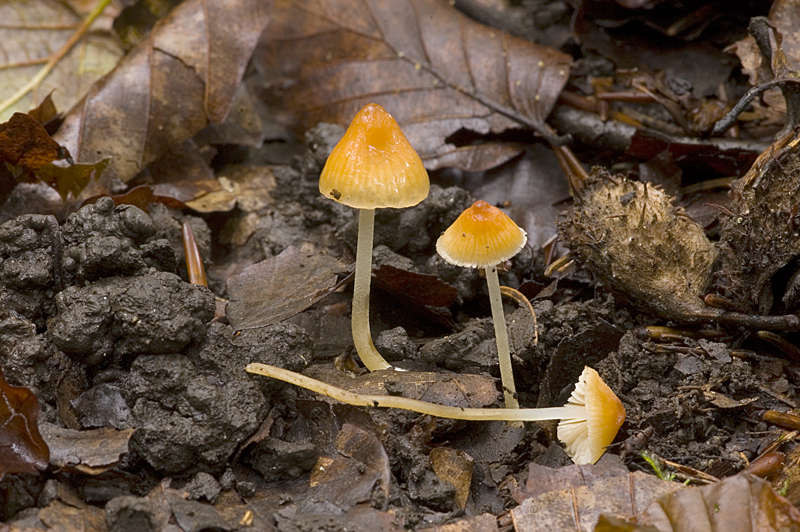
<point x="483" y="237"/>
<point x="586" y="436"/>
<point x="372" y="167"/>
<point x="590" y="419"/>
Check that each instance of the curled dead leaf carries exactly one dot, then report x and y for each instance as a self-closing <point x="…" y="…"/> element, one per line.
<point x="90" y="452"/>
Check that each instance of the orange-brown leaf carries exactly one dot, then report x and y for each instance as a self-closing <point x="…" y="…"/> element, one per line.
<point x="25" y="143"/>
<point x="22" y="449"/>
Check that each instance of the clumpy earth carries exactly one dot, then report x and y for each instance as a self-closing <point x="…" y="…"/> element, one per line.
<point x="98" y="319"/>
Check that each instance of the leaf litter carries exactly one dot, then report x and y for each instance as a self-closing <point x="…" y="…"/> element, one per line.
<point x="696" y="404"/>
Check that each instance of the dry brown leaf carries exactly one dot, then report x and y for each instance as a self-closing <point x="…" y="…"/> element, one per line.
<point x="168" y="87"/>
<point x="742" y="503"/>
<point x="280" y="287"/>
<point x="358" y="468"/>
<point x="24" y="143"/>
<point x="44" y="26"/>
<point x="141" y="196"/>
<point x="434" y="69"/>
<point x="464" y="391"/>
<point x="29" y="153"/>
<point x="89" y="451"/>
<point x="784" y="15"/>
<point x="478" y="523"/>
<point x="60" y="516"/>
<point x="578" y="506"/>
<point x="454" y="466"/>
<point x="22" y="449"/>
<point x="248" y="187"/>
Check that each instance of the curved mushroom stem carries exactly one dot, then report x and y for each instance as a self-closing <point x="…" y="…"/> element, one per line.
<point x="569" y="411"/>
<point x="359" y="320"/>
<point x="503" y="352"/>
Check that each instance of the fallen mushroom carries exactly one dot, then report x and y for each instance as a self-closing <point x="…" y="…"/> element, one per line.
<point x="483" y="237"/>
<point x="373" y="166"/>
<point x="589" y="421"/>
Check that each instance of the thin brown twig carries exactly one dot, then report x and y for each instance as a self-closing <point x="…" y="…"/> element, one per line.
<point x="517" y="296"/>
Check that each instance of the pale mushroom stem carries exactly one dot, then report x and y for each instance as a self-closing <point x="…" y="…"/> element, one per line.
<point x="359" y="318"/>
<point x="503" y="352"/>
<point x="573" y="412"/>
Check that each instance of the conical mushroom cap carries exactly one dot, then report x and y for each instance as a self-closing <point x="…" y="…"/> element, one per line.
<point x="481" y="236"/>
<point x="586" y="438"/>
<point x="374" y="165"/>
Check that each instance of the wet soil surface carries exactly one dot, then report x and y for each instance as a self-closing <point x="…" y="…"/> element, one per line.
<point x="98" y="319"/>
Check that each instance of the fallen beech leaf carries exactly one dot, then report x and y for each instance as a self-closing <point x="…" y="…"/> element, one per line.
<point x="168" y="87"/>
<point x="742" y="503"/>
<point x="359" y="467"/>
<point x="280" y="287"/>
<point x="29" y="152"/>
<point x="418" y="288"/>
<point x="434" y="69"/>
<point x="32" y="31"/>
<point x="183" y="173"/>
<point x="60" y="516"/>
<point x="426" y="295"/>
<point x="578" y="505"/>
<point x="246" y="186"/>
<point x="543" y="479"/>
<point x="88" y="451"/>
<point x="22" y="449"/>
<point x="478" y="523"/>
<point x="464" y="390"/>
<point x="454" y="466"/>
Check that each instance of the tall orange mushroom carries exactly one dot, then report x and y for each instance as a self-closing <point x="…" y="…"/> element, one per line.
<point x="483" y="237"/>
<point x="372" y="167"/>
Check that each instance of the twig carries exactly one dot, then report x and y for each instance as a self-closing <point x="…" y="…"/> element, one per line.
<point x="517" y="296"/>
<point x="749" y="96"/>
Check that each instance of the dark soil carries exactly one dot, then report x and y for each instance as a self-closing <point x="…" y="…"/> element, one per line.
<point x="118" y="340"/>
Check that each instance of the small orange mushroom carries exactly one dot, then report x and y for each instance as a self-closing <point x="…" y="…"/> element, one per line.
<point x="373" y="166"/>
<point x="586" y="437"/>
<point x="482" y="237"/>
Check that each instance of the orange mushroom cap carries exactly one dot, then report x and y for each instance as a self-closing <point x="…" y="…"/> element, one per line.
<point x="481" y="236"/>
<point x="374" y="165"/>
<point x="586" y="439"/>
